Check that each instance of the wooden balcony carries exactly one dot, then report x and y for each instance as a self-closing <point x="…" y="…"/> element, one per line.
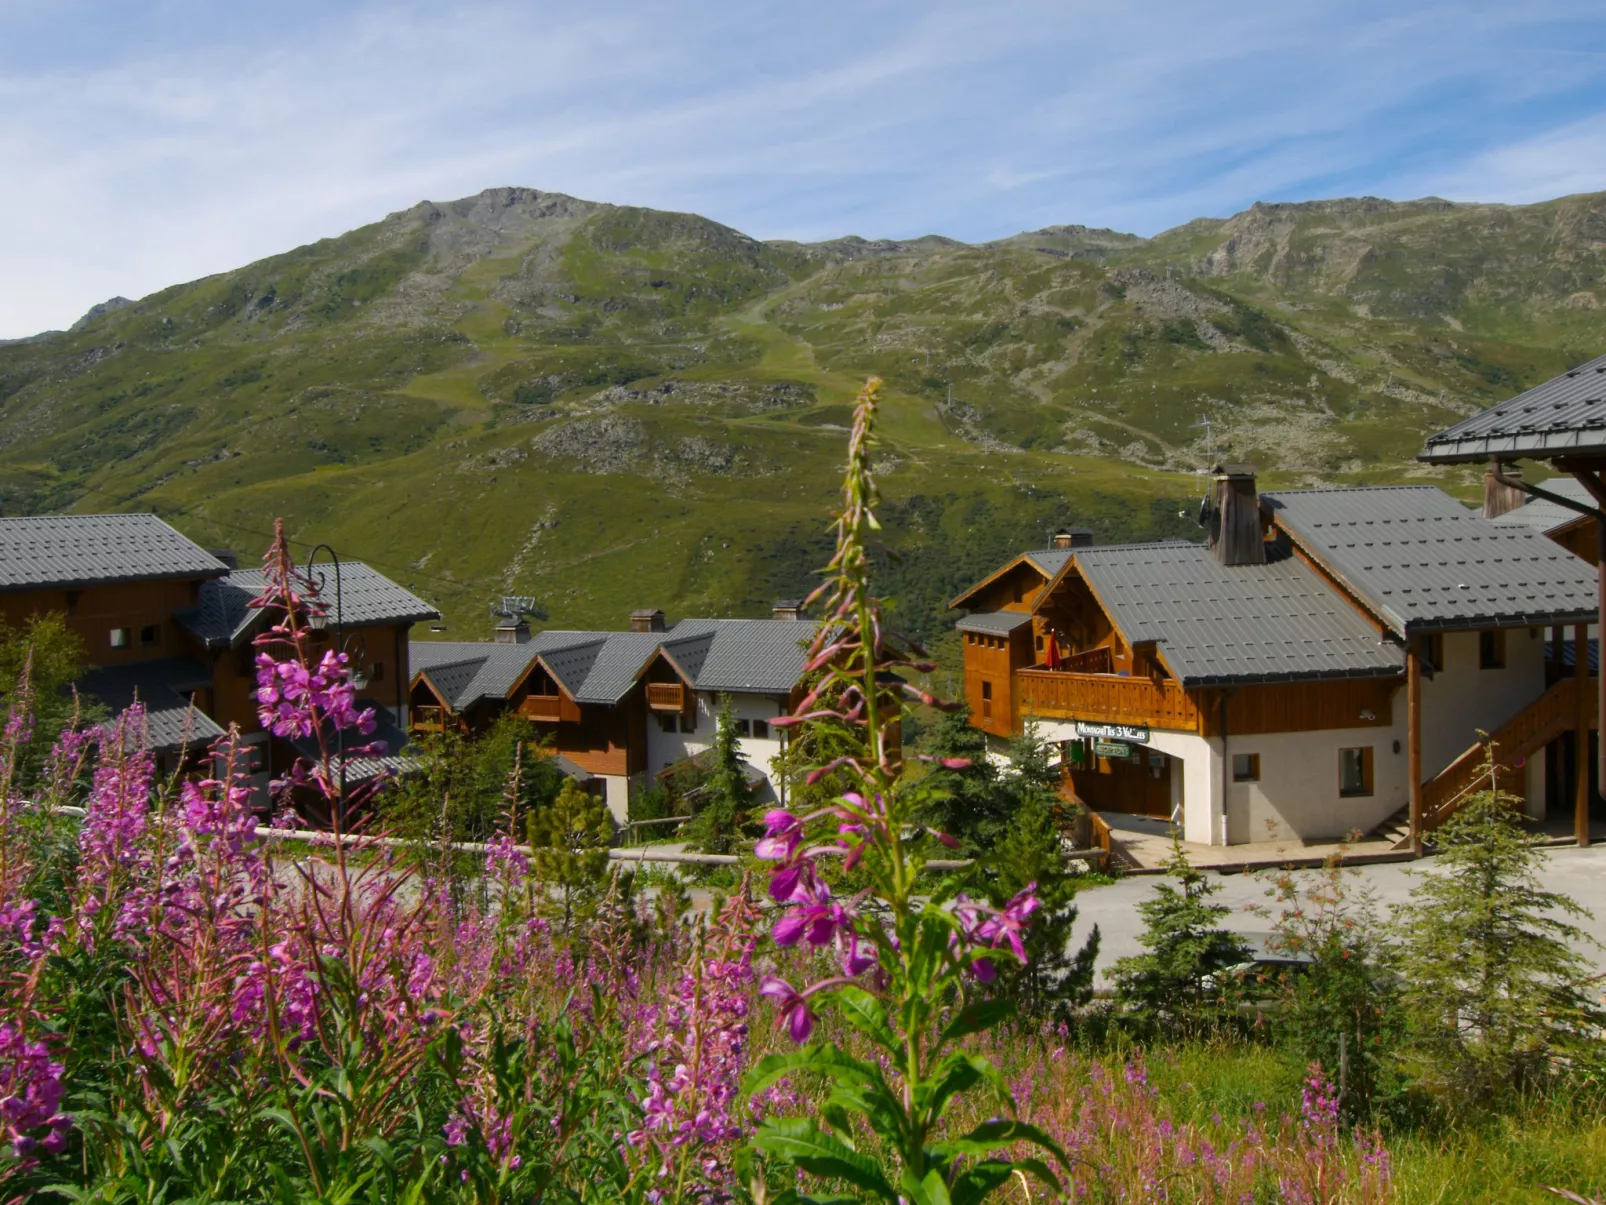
<point x="545" y="709"/>
<point x="427" y="719"/>
<point x="1093" y="661"/>
<point x="666" y="696"/>
<point x="1105" y="698"/>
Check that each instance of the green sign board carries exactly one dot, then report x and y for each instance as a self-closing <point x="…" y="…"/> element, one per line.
<point x="1112" y="748"/>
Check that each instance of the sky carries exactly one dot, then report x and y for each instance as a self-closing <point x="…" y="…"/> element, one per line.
<point x="146" y="144"/>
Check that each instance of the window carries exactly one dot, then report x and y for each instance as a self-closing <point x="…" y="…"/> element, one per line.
<point x="743" y="728"/>
<point x="1432" y="650"/>
<point x="149" y="636"/>
<point x="986" y="700"/>
<point x="1246" y="767"/>
<point x="1355" y="771"/>
<point x="1492" y="650"/>
<point x="688" y="723"/>
<point x="761" y="729"/>
<point x="668" y="721"/>
<point x="120" y="637"/>
<point x="376" y="672"/>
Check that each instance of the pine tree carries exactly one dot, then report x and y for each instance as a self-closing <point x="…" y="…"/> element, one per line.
<point x="570" y="839"/>
<point x="1054" y="982"/>
<point x="1180" y="982"/>
<point x="1495" y="990"/>
<point x="969" y="803"/>
<point x="725" y="796"/>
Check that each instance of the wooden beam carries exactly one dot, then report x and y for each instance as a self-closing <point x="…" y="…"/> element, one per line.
<point x="1413" y="720"/>
<point x="1581" y="734"/>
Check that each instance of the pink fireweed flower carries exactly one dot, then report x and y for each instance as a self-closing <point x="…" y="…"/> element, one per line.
<point x="783" y="834"/>
<point x="795" y="1014"/>
<point x="1009" y="925"/>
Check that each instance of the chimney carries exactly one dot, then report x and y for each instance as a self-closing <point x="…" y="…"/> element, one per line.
<point x="1073" y="537"/>
<point x="647" y="619"/>
<point x="787" y="608"/>
<point x="512" y="629"/>
<point x="227" y="555"/>
<point x="1235" y="535"/>
<point x="1499" y="498"/>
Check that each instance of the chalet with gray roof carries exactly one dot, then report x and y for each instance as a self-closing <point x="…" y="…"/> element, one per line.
<point x="168" y="623"/>
<point x="1561" y="422"/>
<point x="624" y="706"/>
<point x="1262" y="684"/>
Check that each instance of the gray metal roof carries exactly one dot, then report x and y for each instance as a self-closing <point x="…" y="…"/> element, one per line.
<point x="760" y="656"/>
<point x="491" y="669"/>
<point x="1543" y="516"/>
<point x="1566" y="415"/>
<point x="994" y="623"/>
<point x="1422" y="561"/>
<point x="63" y="551"/>
<point x="366" y="597"/>
<point x="1250" y="623"/>
<point x="163" y="686"/>
<point x="1050" y="560"/>
<point x="743" y="655"/>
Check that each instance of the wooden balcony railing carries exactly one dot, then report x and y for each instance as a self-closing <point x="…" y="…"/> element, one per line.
<point x="1093" y="661"/>
<point x="427" y="719"/>
<point x="543" y="708"/>
<point x="1531" y="729"/>
<point x="666" y="696"/>
<point x="1106" y="698"/>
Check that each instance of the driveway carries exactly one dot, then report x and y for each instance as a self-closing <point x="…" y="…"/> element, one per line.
<point x="1579" y="873"/>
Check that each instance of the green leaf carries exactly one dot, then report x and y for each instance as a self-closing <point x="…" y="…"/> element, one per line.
<point x="990" y="1135"/>
<point x="929" y="1191"/>
<point x="976" y="1018"/>
<point x="868" y="1015"/>
<point x="801" y="1143"/>
<point x="824" y="1060"/>
<point x="974" y="1183"/>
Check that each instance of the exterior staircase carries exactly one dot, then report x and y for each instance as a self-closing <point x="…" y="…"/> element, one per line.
<point x="1527" y="732"/>
<point x="1396" y="830"/>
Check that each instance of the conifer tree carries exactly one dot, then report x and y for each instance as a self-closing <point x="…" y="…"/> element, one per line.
<point x="721" y="814"/>
<point x="1179" y="982"/>
<point x="1495" y="991"/>
<point x="570" y="839"/>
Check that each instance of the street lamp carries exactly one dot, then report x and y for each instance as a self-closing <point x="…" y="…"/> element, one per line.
<point x="319" y="622"/>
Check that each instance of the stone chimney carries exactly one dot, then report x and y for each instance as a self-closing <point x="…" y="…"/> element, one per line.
<point x="647" y="619"/>
<point x="787" y="608"/>
<point x="227" y="555"/>
<point x="512" y="629"/>
<point x="1499" y="498"/>
<point x="1234" y="521"/>
<point x="1073" y="537"/>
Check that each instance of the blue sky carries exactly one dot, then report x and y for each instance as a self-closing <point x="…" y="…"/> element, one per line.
<point x="146" y="144"/>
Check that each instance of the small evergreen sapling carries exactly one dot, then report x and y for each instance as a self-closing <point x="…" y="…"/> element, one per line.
<point x="1179" y="983"/>
<point x="726" y="797"/>
<point x="570" y="840"/>
<point x="1495" y="990"/>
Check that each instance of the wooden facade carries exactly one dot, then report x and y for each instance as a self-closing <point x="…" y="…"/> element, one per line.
<point x="142" y="612"/>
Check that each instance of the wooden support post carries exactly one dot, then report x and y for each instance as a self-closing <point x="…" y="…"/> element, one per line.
<point x="1413" y="713"/>
<point x="1581" y="734"/>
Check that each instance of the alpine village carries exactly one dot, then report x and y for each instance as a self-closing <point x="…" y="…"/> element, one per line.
<point x="607" y="725"/>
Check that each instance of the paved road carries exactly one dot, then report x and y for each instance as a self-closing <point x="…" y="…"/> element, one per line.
<point x="1580" y="873"/>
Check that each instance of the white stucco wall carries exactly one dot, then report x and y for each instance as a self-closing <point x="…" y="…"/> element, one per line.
<point x="1297" y="796"/>
<point x="666" y="748"/>
<point x="616" y="794"/>
<point x="1462" y="698"/>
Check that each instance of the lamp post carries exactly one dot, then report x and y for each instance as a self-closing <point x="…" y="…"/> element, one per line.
<point x="358" y="681"/>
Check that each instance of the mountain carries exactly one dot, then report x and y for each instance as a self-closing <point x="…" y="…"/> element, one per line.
<point x="607" y="407"/>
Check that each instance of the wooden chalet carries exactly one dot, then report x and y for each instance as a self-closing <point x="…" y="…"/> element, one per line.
<point x="167" y="622"/>
<point x="1563" y="423"/>
<point x="622" y="705"/>
<point x="1258" y="685"/>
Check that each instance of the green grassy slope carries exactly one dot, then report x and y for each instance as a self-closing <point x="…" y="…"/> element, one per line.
<point x="609" y="407"/>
